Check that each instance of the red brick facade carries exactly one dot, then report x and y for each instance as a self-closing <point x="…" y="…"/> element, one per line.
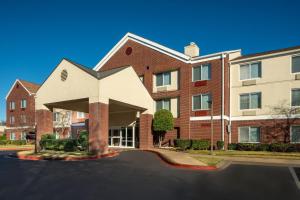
<point x="18" y="93"/>
<point x="147" y="62"/>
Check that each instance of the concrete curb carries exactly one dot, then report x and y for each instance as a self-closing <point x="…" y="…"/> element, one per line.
<point x="68" y="158"/>
<point x="184" y="166"/>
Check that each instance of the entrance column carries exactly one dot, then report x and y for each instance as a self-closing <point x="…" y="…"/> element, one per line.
<point x="146" y="137"/>
<point x="44" y="125"/>
<point x="98" y="127"/>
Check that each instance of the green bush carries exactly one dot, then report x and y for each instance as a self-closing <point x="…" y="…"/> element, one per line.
<point x="83" y="139"/>
<point x="13" y="142"/>
<point x="220" y="145"/>
<point x="49" y="136"/>
<point x="280" y="147"/>
<point x="70" y="145"/>
<point x="200" y="144"/>
<point x="182" y="144"/>
<point x="232" y="146"/>
<point x="163" y="121"/>
<point x="3" y="137"/>
<point x="59" y="144"/>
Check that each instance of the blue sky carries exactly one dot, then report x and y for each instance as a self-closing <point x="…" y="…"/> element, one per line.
<point x="36" y="35"/>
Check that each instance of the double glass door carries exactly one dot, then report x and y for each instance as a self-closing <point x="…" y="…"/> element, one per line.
<point x="122" y="137"/>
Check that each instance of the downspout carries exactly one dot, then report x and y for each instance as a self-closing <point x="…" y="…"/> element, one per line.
<point x="229" y="76"/>
<point x="222" y="96"/>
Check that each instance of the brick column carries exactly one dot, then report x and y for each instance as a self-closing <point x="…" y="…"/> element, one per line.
<point x="98" y="127"/>
<point x="44" y="125"/>
<point x="146" y="136"/>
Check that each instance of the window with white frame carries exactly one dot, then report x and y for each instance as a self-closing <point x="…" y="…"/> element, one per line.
<point x="163" y="104"/>
<point x="163" y="79"/>
<point x="23" y="135"/>
<point x="23" y="118"/>
<point x="12" y="119"/>
<point x="296" y="64"/>
<point x="80" y="115"/>
<point x="12" y="105"/>
<point x="250" y="71"/>
<point x="295" y="134"/>
<point x="12" y="136"/>
<point x="248" y="134"/>
<point x="23" y="103"/>
<point x="56" y="116"/>
<point x="296" y="97"/>
<point x="202" y="72"/>
<point x="201" y="102"/>
<point x="250" y="101"/>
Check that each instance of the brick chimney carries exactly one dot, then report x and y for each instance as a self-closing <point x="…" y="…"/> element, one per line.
<point x="192" y="50"/>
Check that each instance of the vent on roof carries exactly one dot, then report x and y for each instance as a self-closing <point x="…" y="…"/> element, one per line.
<point x="64" y="75"/>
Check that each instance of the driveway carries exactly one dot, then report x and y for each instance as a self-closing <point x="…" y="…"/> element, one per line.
<point x="139" y="175"/>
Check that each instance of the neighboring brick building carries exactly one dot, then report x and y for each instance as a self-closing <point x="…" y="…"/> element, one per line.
<point x="20" y="110"/>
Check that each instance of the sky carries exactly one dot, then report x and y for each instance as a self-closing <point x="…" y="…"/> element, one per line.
<point x="35" y="35"/>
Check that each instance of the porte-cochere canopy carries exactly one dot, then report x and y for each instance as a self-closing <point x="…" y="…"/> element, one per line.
<point x="113" y="98"/>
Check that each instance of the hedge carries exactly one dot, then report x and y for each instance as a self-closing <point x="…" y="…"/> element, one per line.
<point x="191" y="144"/>
<point x="48" y="142"/>
<point x="220" y="145"/>
<point x="274" y="147"/>
<point x="13" y="142"/>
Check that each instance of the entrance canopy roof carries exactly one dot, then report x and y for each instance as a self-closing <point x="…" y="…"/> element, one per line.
<point x="72" y="86"/>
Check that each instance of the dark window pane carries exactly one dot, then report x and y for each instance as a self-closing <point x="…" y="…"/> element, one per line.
<point x="296" y="97"/>
<point x="196" y="73"/>
<point x="296" y="64"/>
<point x="196" y="102"/>
<point x="244" y="101"/>
<point x="159" y="79"/>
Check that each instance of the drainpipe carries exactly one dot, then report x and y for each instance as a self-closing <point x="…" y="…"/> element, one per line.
<point x="229" y="137"/>
<point x="223" y="89"/>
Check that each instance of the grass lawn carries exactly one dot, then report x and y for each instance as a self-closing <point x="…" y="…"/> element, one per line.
<point x="57" y="154"/>
<point x="210" y="161"/>
<point x="250" y="154"/>
<point x="16" y="146"/>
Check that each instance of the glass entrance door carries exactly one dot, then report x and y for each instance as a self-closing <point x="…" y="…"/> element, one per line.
<point x="123" y="137"/>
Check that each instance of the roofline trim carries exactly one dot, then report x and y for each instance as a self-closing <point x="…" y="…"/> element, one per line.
<point x="12" y="87"/>
<point x="237" y="60"/>
<point x="158" y="47"/>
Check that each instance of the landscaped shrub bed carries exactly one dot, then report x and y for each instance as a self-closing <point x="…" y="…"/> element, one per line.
<point x="274" y="147"/>
<point x="12" y="142"/>
<point x="191" y="144"/>
<point x="48" y="142"/>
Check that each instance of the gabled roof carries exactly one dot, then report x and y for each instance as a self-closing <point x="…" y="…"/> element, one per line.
<point x="153" y="45"/>
<point x="267" y="53"/>
<point x="97" y="75"/>
<point x="30" y="87"/>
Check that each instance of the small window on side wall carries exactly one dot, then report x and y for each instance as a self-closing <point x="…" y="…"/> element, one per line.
<point x="23" y="103"/>
<point x="295" y="134"/>
<point x="249" y="134"/>
<point x="163" y="104"/>
<point x="201" y="102"/>
<point x="250" y="101"/>
<point x="296" y="97"/>
<point x="296" y="64"/>
<point x="163" y="79"/>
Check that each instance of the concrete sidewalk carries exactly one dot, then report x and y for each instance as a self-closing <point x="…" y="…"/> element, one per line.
<point x="179" y="157"/>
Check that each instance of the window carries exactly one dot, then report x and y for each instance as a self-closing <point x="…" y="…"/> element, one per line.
<point x="163" y="79"/>
<point x="23" y="135"/>
<point x="23" y="103"/>
<point x="12" y="105"/>
<point x="56" y="116"/>
<point x="80" y="115"/>
<point x="295" y="134"/>
<point x="23" y="118"/>
<point x="12" y="136"/>
<point x="202" y="72"/>
<point x="250" y="71"/>
<point x="295" y="64"/>
<point x="249" y="134"/>
<point x="201" y="102"/>
<point x="295" y="97"/>
<point x="163" y="104"/>
<point x="250" y="101"/>
<point x="12" y="119"/>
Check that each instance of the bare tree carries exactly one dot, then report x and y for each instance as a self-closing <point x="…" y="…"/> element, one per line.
<point x="62" y="122"/>
<point x="283" y="117"/>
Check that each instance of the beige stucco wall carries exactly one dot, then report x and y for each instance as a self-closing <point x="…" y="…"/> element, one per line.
<point x="172" y="86"/>
<point x="125" y="86"/>
<point x="275" y="84"/>
<point x="78" y="85"/>
<point x="122" y="119"/>
<point x="174" y="107"/>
